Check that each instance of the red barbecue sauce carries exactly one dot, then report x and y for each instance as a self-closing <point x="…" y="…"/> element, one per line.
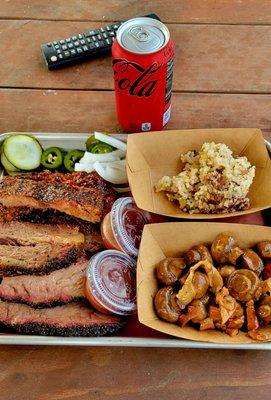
<point x="111" y="282"/>
<point x="122" y="228"/>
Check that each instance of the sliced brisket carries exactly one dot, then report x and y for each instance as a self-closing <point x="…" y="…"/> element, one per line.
<point x="85" y="196"/>
<point x="58" y="287"/>
<point x="93" y="239"/>
<point x="27" y="234"/>
<point x="74" y="319"/>
<point x="38" y="260"/>
<point x="92" y="233"/>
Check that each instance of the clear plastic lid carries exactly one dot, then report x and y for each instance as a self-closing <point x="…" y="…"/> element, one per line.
<point x="111" y="276"/>
<point x="127" y="222"/>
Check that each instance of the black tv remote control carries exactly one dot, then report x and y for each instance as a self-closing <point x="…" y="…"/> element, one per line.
<point x="80" y="47"/>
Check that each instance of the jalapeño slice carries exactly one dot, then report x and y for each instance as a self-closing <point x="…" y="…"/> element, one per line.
<point x="91" y="142"/>
<point x="101" y="148"/>
<point x="71" y="158"/>
<point x="52" y="158"/>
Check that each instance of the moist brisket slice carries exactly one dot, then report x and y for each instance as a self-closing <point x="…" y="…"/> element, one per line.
<point x="58" y="287"/>
<point x="93" y="239"/>
<point x="92" y="232"/>
<point x="35" y="260"/>
<point x="27" y="234"/>
<point x="74" y="319"/>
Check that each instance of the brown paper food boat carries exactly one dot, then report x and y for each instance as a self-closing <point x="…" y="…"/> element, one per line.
<point x="172" y="239"/>
<point x="155" y="154"/>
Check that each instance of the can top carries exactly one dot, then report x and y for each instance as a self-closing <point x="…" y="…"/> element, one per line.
<point x="143" y="35"/>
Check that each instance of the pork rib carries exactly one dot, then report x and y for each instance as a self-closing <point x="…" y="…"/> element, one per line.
<point x="58" y="287"/>
<point x="85" y="196"/>
<point x="74" y="319"/>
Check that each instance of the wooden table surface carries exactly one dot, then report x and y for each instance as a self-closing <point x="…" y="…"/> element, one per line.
<point x="222" y="78"/>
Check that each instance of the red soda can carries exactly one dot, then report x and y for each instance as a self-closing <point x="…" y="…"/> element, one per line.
<point x="143" y="56"/>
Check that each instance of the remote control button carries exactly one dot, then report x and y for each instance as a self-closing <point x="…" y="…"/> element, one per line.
<point x="49" y="44"/>
<point x="99" y="37"/>
<point x="94" y="38"/>
<point x="70" y="45"/>
<point x="64" y="47"/>
<point x="89" y="40"/>
<point x="73" y="52"/>
<point x="92" y="46"/>
<point x="74" y="38"/>
<point x="82" y="41"/>
<point x="97" y="45"/>
<point x="76" y="43"/>
<point x="108" y="28"/>
<point x="53" y="58"/>
<point x="79" y="50"/>
<point x="55" y="43"/>
<point x="68" y="40"/>
<point x="67" y="54"/>
<point x="116" y="27"/>
<point x="102" y="30"/>
<point x="101" y="43"/>
<point x="62" y="41"/>
<point x="111" y="34"/>
<point x="60" y="57"/>
<point x="56" y="46"/>
<point x="108" y="41"/>
<point x="105" y="35"/>
<point x="80" y="36"/>
<point x="85" y="48"/>
<point x="58" y="51"/>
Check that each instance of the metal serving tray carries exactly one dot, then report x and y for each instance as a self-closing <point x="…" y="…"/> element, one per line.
<point x="77" y="140"/>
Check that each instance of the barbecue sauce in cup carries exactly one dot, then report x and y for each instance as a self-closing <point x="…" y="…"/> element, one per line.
<point x="122" y="228"/>
<point x="111" y="282"/>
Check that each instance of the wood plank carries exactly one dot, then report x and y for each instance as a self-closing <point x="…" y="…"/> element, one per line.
<point x="86" y="111"/>
<point x="138" y="374"/>
<point x="209" y="58"/>
<point x="182" y="11"/>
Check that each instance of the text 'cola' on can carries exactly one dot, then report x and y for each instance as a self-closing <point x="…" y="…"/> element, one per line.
<point x="143" y="55"/>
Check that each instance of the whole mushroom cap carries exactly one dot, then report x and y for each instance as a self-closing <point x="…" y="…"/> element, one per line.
<point x="166" y="305"/>
<point x="221" y="247"/>
<point x="243" y="284"/>
<point x="252" y="261"/>
<point x="169" y="270"/>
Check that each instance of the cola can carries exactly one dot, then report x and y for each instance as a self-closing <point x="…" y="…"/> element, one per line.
<point x="143" y="56"/>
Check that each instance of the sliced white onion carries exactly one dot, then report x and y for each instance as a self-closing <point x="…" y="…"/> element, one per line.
<point x="122" y="189"/>
<point x="83" y="167"/>
<point x="91" y="158"/>
<point x="119" y="164"/>
<point x="118" y="144"/>
<point x="111" y="175"/>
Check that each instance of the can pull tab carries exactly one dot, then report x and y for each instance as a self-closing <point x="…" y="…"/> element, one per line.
<point x="140" y="34"/>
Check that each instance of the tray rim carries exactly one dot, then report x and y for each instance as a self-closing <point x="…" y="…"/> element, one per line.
<point x="117" y="341"/>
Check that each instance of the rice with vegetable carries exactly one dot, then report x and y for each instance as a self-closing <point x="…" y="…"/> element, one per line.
<point x="212" y="181"/>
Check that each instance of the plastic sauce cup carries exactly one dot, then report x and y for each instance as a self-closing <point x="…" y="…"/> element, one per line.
<point x="122" y="228"/>
<point x="111" y="282"/>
